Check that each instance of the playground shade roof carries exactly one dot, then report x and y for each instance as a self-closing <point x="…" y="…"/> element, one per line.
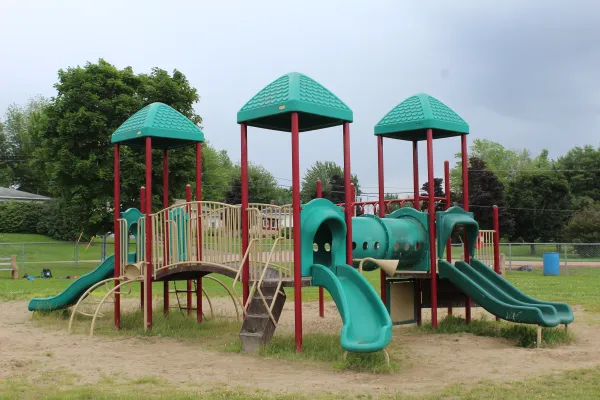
<point x="18" y="195"/>
<point x="167" y="127"/>
<point x="410" y="120"/>
<point x="317" y="107"/>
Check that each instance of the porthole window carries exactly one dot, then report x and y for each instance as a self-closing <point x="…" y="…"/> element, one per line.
<point x="365" y="246"/>
<point x="376" y="246"/>
<point x="315" y="247"/>
<point x="327" y="247"/>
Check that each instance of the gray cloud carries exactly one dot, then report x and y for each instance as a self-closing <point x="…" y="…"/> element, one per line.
<point x="524" y="75"/>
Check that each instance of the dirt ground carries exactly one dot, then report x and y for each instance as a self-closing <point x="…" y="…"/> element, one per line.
<point x="427" y="362"/>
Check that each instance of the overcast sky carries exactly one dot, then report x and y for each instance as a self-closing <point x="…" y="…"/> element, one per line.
<point x="523" y="73"/>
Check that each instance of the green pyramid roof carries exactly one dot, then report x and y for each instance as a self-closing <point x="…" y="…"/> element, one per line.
<point x="166" y="126"/>
<point x="317" y="107"/>
<point x="410" y="120"/>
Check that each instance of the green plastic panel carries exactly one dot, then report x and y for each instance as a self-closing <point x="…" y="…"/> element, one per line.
<point x="167" y="127"/>
<point x="445" y="223"/>
<point x="410" y="120"/>
<point x="317" y="107"/>
<point x="132" y="216"/>
<point x="494" y="299"/>
<point x="367" y="326"/>
<point x="323" y="235"/>
<point x="402" y="237"/>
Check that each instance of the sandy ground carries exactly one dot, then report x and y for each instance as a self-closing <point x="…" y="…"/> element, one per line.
<point x="427" y="362"/>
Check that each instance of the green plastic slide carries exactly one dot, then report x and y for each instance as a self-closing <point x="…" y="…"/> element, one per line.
<point x="75" y="290"/>
<point x="565" y="314"/>
<point x="367" y="324"/>
<point x="494" y="294"/>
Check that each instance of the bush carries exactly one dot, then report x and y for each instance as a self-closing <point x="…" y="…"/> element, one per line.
<point x="20" y="217"/>
<point x="56" y="219"/>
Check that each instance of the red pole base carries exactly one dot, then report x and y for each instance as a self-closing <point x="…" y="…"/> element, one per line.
<point x="321" y="303"/>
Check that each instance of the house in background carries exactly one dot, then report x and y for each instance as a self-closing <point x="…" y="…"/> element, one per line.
<point x="8" y="194"/>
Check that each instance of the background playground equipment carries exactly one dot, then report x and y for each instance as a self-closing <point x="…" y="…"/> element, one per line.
<point x="323" y="245"/>
<point x="11" y="266"/>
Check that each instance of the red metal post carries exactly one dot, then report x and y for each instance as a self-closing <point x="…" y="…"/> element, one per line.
<point x="381" y="210"/>
<point x="349" y="200"/>
<point x="431" y="212"/>
<point x="496" y="240"/>
<point x="117" y="234"/>
<point x="149" y="269"/>
<point x="296" y="223"/>
<point x="465" y="187"/>
<point x="447" y="192"/>
<point x="199" y="216"/>
<point x="143" y="211"/>
<point x="321" y="294"/>
<point x="189" y="291"/>
<point x="245" y="227"/>
<point x="353" y="192"/>
<point x="416" y="195"/>
<point x="496" y="243"/>
<point x="165" y="201"/>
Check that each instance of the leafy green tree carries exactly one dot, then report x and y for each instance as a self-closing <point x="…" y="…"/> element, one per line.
<point x="438" y="191"/>
<point x="262" y="186"/>
<point x="486" y="191"/>
<point x="22" y="126"/>
<point x="584" y="227"/>
<point x="74" y="146"/>
<point x="504" y="163"/>
<point x="6" y="173"/>
<point x="541" y="203"/>
<point x="332" y="178"/>
<point x="581" y="167"/>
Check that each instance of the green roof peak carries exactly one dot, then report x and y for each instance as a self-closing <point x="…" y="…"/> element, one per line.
<point x="294" y="92"/>
<point x="410" y="120"/>
<point x="167" y="127"/>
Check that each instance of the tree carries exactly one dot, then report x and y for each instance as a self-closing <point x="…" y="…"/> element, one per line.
<point x="262" y="186"/>
<point x="22" y="126"/>
<point x="332" y="178"/>
<point x="438" y="191"/>
<point x="541" y="203"/>
<point x="74" y="146"/>
<point x="581" y="167"/>
<point x="504" y="163"/>
<point x="6" y="173"/>
<point x="486" y="191"/>
<point x="584" y="227"/>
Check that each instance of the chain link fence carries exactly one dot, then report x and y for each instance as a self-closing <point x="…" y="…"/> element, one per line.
<point x="527" y="256"/>
<point x="62" y="258"/>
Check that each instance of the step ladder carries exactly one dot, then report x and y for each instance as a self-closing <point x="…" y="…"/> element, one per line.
<point x="258" y="327"/>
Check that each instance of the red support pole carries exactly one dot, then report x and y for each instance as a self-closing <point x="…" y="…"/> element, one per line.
<point x="143" y="211"/>
<point x="321" y="294"/>
<point x="117" y="233"/>
<point x="431" y="212"/>
<point x="349" y="200"/>
<point x="416" y="195"/>
<point x="296" y="223"/>
<point x="189" y="291"/>
<point x="149" y="269"/>
<point x="465" y="187"/>
<point x="353" y="192"/>
<point x="381" y="210"/>
<point x="165" y="202"/>
<point x="245" y="227"/>
<point x="199" y="212"/>
<point x="447" y="191"/>
<point x="496" y="243"/>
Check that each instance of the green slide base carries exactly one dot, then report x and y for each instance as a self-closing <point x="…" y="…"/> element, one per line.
<point x="367" y="324"/>
<point x="494" y="299"/>
<point x="75" y="290"/>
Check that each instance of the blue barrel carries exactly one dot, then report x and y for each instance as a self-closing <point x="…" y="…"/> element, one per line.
<point x="551" y="264"/>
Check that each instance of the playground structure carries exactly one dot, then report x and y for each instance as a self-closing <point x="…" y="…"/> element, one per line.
<point x="266" y="248"/>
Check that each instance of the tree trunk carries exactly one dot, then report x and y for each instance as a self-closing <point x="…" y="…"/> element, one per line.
<point x="532" y="249"/>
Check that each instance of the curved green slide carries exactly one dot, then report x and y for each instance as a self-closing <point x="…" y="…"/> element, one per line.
<point x="75" y="290"/>
<point x="500" y="298"/>
<point x="367" y="323"/>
